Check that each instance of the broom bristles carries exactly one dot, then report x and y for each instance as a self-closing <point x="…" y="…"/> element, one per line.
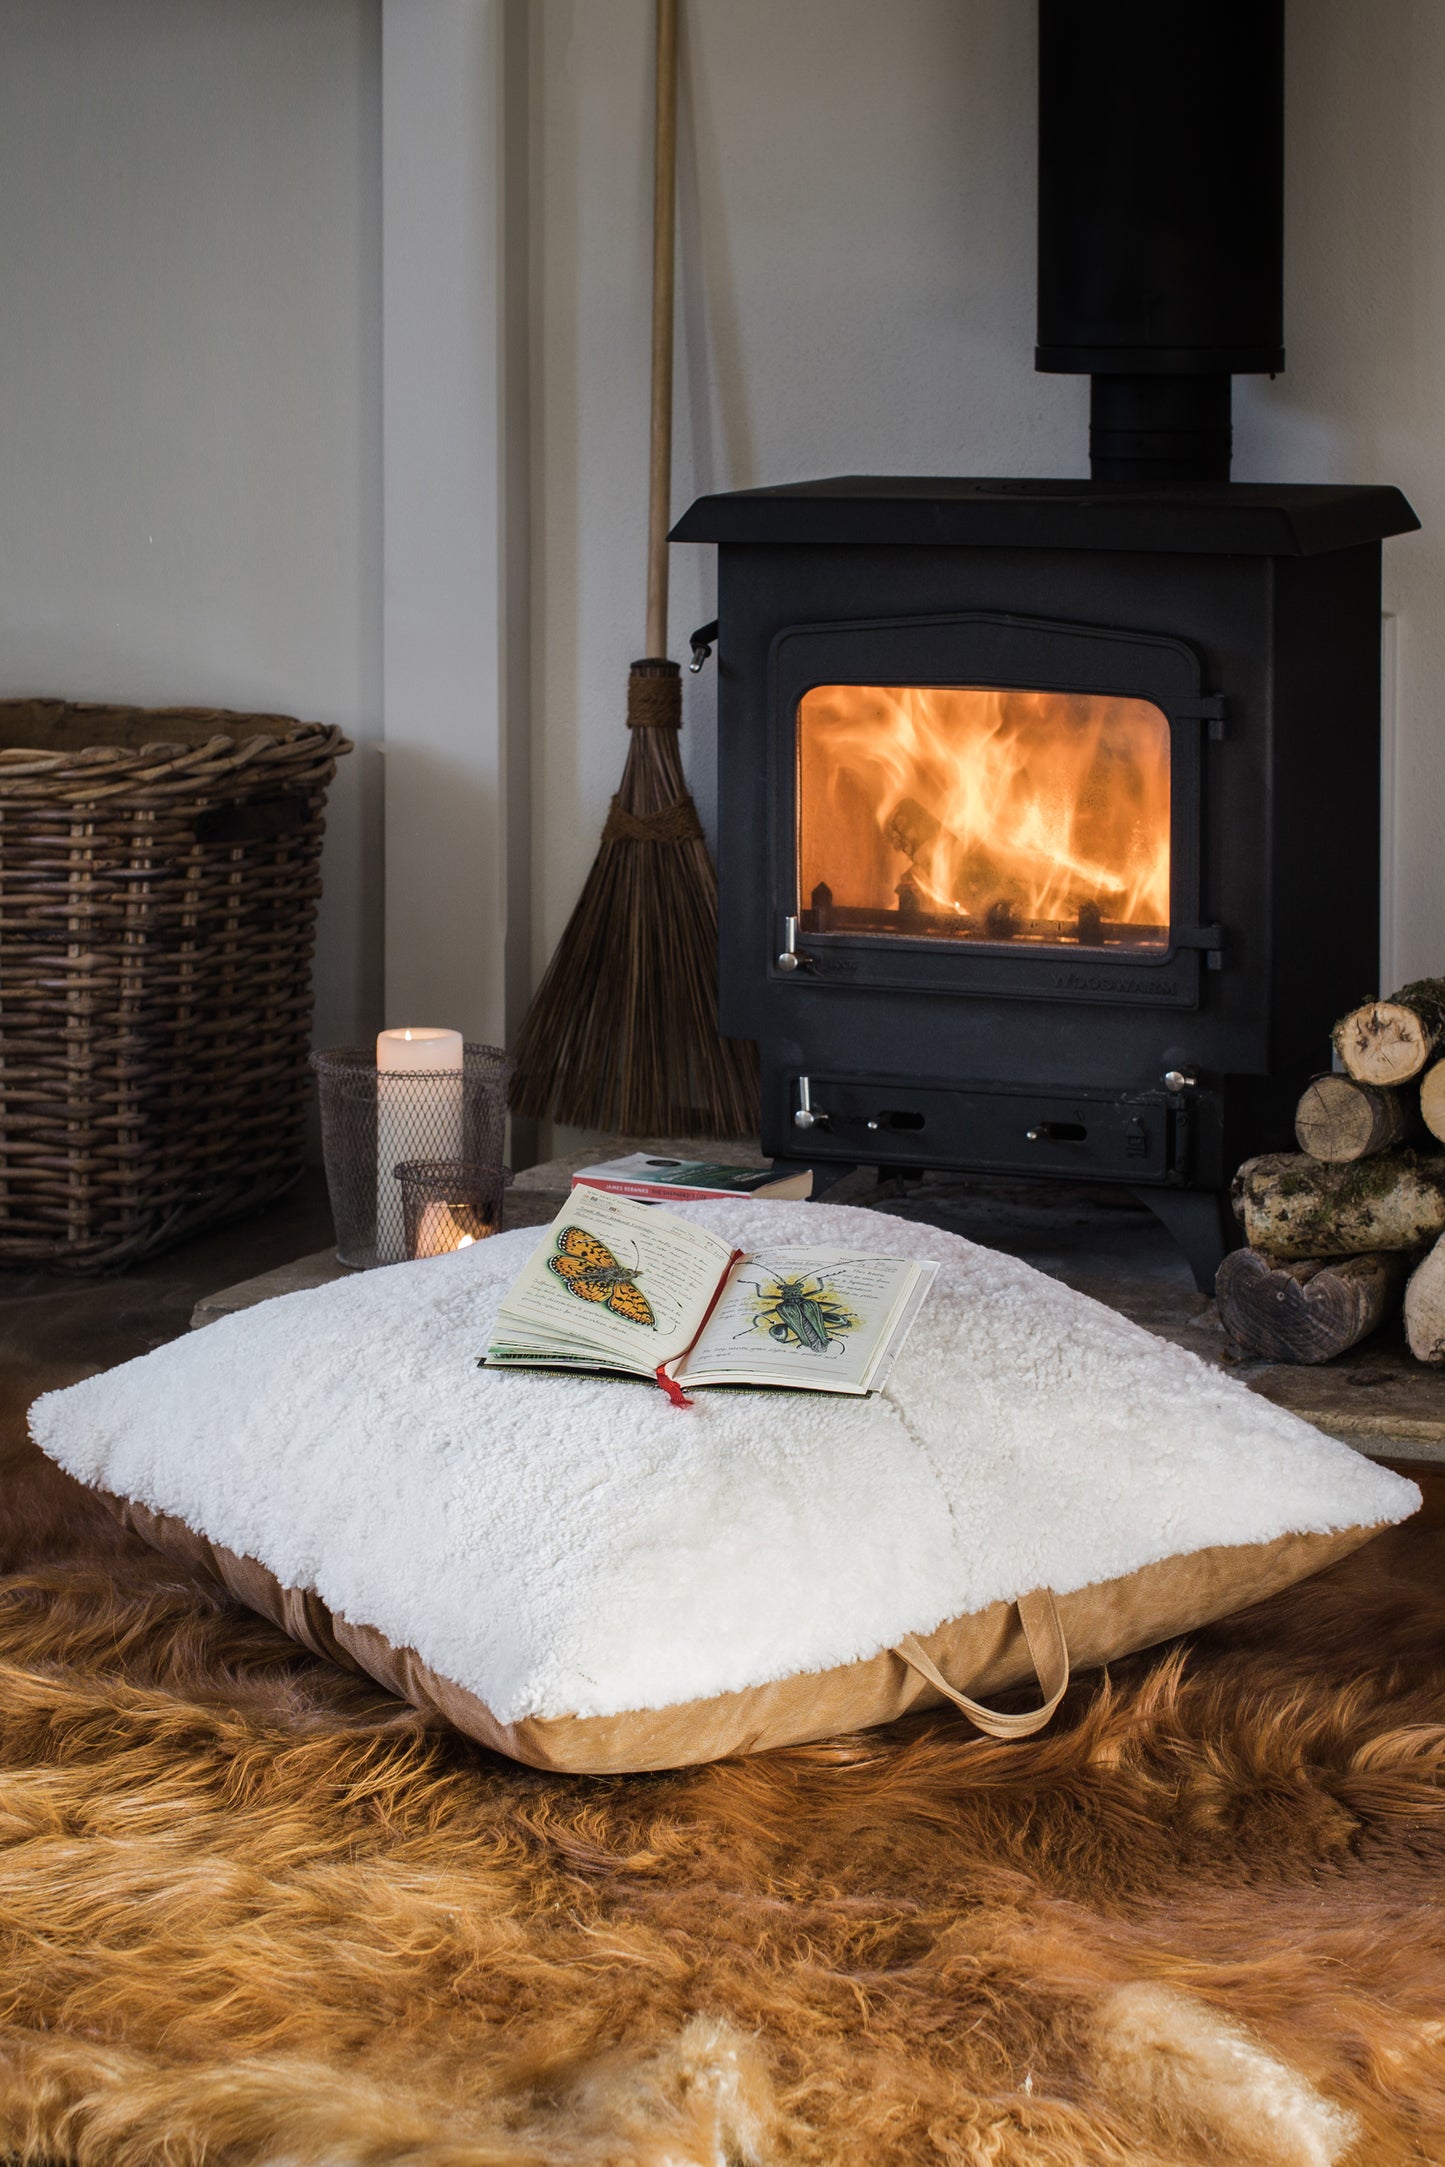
<point x="622" y="1032"/>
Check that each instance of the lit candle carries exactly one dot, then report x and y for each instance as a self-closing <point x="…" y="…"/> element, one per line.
<point x="444" y="1227"/>
<point x="418" y="1116"/>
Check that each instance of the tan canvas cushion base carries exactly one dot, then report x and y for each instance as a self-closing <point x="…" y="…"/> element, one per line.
<point x="983" y="1653"/>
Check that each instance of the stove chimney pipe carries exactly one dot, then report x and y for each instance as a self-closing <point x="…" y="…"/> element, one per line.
<point x="1161" y="221"/>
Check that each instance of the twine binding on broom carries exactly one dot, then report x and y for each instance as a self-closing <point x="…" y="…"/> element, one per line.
<point x="654" y="702"/>
<point x="675" y="824"/>
<point x="654" y="696"/>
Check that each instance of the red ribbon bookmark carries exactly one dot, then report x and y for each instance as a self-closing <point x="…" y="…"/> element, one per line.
<point x="670" y="1385"/>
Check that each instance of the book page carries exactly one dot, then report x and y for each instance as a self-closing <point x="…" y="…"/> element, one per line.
<point x="823" y="1319"/>
<point x="610" y="1280"/>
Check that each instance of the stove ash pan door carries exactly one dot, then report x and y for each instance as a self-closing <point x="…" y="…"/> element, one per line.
<point x="1136" y="1137"/>
<point x="990" y="805"/>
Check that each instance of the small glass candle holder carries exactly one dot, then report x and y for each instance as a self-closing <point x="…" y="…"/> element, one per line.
<point x="450" y="1203"/>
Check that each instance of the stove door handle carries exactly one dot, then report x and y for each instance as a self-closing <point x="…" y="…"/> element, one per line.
<point x="790" y="956"/>
<point x="702" y="643"/>
<point x="806" y="1115"/>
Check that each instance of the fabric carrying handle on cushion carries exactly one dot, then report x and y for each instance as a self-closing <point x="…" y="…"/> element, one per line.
<point x="1044" y="1632"/>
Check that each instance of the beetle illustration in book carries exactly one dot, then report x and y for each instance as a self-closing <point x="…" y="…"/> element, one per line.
<point x="806" y="1312"/>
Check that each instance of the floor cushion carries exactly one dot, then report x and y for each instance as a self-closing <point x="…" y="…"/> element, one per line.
<point x="577" y="1572"/>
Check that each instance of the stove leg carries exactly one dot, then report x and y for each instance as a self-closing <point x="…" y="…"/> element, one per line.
<point x="1203" y="1224"/>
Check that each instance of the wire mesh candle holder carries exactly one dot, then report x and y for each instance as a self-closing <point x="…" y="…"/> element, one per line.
<point x="375" y="1122"/>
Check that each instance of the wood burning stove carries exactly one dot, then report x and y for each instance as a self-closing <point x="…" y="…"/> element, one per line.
<point x="1025" y="787"/>
<point x="1024" y="794"/>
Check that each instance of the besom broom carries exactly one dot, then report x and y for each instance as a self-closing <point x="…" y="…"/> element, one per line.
<point x="622" y="1032"/>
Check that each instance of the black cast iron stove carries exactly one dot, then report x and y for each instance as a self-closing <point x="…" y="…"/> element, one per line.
<point x="1025" y="787"/>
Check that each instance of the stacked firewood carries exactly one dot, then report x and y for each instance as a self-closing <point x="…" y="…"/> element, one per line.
<point x="1344" y="1228"/>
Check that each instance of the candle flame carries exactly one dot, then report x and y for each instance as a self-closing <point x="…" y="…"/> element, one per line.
<point x="406" y="1035"/>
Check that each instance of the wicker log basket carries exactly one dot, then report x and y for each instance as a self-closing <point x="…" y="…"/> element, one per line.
<point x="158" y="888"/>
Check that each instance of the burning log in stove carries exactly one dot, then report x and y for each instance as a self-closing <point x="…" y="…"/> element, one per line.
<point x="943" y="865"/>
<point x="968" y="879"/>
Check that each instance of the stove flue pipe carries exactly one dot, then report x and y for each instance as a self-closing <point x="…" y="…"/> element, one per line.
<point x="1161" y="221"/>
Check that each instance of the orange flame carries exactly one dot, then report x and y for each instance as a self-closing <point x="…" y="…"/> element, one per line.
<point x="960" y="801"/>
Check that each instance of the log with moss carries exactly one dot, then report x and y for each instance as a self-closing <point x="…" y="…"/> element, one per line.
<point x="1311" y="1309"/>
<point x="1389" y="1041"/>
<point x="1341" y="1120"/>
<point x="1291" y="1205"/>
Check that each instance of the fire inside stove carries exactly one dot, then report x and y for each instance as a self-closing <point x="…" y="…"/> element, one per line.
<point x="964" y="812"/>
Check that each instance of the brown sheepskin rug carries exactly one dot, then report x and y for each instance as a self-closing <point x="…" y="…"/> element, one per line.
<point x="252" y="1911"/>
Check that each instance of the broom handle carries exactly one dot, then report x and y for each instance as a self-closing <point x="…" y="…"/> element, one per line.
<point x="663" y="273"/>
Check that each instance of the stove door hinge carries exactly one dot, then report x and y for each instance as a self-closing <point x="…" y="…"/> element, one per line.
<point x="1209" y="707"/>
<point x="1208" y="938"/>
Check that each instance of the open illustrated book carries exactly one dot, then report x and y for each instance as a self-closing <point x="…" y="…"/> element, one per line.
<point x="617" y="1285"/>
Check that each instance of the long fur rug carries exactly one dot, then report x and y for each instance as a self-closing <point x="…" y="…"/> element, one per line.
<point x="252" y="1911"/>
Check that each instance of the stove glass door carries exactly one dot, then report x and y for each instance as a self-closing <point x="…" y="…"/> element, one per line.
<point x="973" y="814"/>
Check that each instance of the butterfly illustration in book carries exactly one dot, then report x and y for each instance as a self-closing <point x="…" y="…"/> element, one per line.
<point x="588" y="1269"/>
<point x="802" y="1312"/>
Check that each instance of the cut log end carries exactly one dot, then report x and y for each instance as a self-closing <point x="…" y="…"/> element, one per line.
<point x="1339" y="1120"/>
<point x="1310" y="1310"/>
<point x="1389" y="1041"/>
<point x="1382" y="1044"/>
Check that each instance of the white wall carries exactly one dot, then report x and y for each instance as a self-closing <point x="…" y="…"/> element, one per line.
<point x="857" y="236"/>
<point x="190" y="491"/>
<point x="1363" y="396"/>
<point x="456" y="697"/>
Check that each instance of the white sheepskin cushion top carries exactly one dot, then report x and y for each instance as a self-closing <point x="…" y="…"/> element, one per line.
<point x="571" y="1545"/>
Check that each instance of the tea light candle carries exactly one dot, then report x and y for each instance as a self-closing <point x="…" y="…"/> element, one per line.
<point x="445" y="1227"/>
<point x="418" y="1115"/>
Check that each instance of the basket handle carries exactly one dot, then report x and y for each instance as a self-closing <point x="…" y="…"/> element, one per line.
<point x="255" y="820"/>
